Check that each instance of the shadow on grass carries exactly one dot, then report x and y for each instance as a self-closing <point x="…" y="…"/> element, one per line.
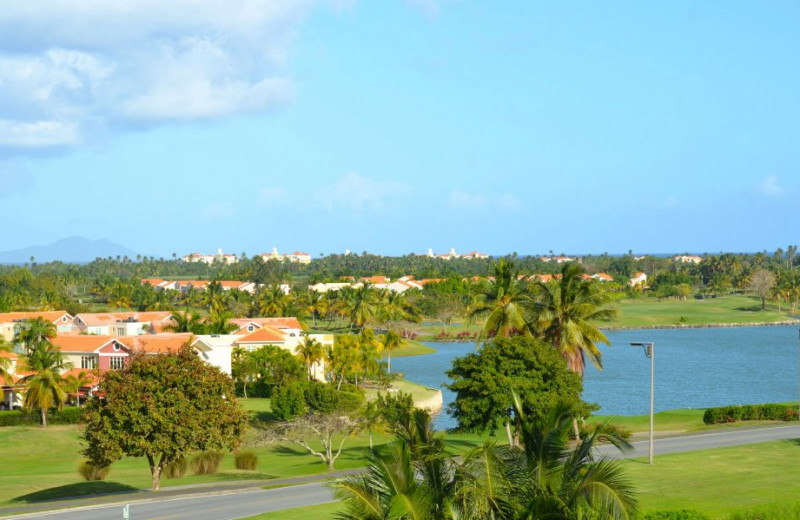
<point x="753" y="308"/>
<point x="81" y="489"/>
<point x="262" y="417"/>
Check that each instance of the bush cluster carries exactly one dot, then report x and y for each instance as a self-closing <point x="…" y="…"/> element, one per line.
<point x="750" y="412"/>
<point x="206" y="462"/>
<point x="69" y="415"/>
<point x="176" y="469"/>
<point x="90" y="472"/>
<point x="246" y="459"/>
<point x="607" y="428"/>
<point x="294" y="399"/>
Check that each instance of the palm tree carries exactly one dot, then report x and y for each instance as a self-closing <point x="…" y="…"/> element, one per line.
<point x="5" y="361"/>
<point x="44" y="384"/>
<point x="318" y="304"/>
<point x="74" y="382"/>
<point x="392" y="340"/>
<point x="362" y="306"/>
<point x="309" y="352"/>
<point x="186" y="322"/>
<point x="500" y="302"/>
<point x="36" y="332"/>
<point x="552" y="481"/>
<point x="563" y="312"/>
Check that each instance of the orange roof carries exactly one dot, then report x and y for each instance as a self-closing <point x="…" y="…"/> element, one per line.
<point x="277" y="323"/>
<point x="8" y="355"/>
<point x="230" y="283"/>
<point x="105" y="318"/>
<point x="80" y="343"/>
<point x="263" y="335"/>
<point x="153" y="281"/>
<point x="53" y="316"/>
<point x="157" y="343"/>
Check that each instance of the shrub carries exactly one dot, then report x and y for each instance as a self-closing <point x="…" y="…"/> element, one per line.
<point x="675" y="514"/>
<point x="246" y="460"/>
<point x="785" y="511"/>
<point x="206" y="462"/>
<point x="750" y="412"/>
<point x="176" y="469"/>
<point x="91" y="473"/>
<point x="605" y="427"/>
<point x="69" y="415"/>
<point x="11" y="418"/>
<point x="288" y="401"/>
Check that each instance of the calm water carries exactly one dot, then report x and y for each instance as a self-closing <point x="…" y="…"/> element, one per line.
<point x="695" y="368"/>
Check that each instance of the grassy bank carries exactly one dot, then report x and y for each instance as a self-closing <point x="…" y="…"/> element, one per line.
<point x="736" y="309"/>
<point x="725" y="483"/>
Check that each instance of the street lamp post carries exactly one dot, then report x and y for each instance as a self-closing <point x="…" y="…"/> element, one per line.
<point x="649" y="351"/>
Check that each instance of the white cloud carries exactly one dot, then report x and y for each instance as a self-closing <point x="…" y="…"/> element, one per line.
<point x="82" y="64"/>
<point x="21" y="134"/>
<point x="769" y="186"/>
<point x="275" y="197"/>
<point x="464" y="200"/>
<point x="217" y="211"/>
<point x="355" y="192"/>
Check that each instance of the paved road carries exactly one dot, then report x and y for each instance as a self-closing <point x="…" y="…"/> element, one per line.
<point x="238" y="504"/>
<point x="222" y="506"/>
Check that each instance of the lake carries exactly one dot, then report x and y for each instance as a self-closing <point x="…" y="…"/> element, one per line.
<point x="694" y="368"/>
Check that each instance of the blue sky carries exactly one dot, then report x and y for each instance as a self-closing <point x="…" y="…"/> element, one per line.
<point x="396" y="125"/>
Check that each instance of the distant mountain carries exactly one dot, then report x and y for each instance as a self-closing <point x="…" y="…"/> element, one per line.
<point x="75" y="250"/>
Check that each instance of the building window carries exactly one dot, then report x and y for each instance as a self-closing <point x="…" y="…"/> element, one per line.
<point x="89" y="362"/>
<point x="116" y="362"/>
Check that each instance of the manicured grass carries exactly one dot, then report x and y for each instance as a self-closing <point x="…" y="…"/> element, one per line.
<point x="725" y="309"/>
<point x="746" y="482"/>
<point x="301" y="513"/>
<point x="719" y="482"/>
<point x="418" y="392"/>
<point x="40" y="464"/>
<point x="411" y="348"/>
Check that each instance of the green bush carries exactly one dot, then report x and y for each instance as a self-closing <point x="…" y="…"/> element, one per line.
<point x="69" y="415"/>
<point x="750" y="412"/>
<point x="787" y="511"/>
<point x="288" y="401"/>
<point x="206" y="462"/>
<point x="176" y="469"/>
<point x="91" y="473"/>
<point x="675" y="514"/>
<point x="604" y="427"/>
<point x="12" y="418"/>
<point x="246" y="460"/>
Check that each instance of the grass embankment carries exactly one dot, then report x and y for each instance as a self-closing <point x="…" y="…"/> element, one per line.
<point x="723" y="483"/>
<point x="41" y="464"/>
<point x="735" y="309"/>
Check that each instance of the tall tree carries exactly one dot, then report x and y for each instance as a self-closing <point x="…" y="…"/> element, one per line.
<point x="310" y="351"/>
<point x="162" y="407"/>
<point x="43" y="385"/>
<point x="500" y="302"/>
<point x="761" y="283"/>
<point x="565" y="312"/>
<point x="36" y="333"/>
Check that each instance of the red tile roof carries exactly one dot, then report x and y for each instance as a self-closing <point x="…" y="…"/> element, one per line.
<point x="157" y="343"/>
<point x="263" y="335"/>
<point x="53" y="316"/>
<point x="80" y="343"/>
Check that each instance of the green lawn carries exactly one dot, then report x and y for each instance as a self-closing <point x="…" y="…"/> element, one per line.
<point x="717" y="482"/>
<point x="411" y="348"/>
<point x="725" y="309"/>
<point x="301" y="513"/>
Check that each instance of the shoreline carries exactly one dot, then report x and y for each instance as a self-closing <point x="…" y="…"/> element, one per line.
<point x="665" y="326"/>
<point x="705" y="325"/>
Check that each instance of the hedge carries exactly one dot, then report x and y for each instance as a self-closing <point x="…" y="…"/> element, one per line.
<point x="675" y="514"/>
<point x="750" y="412"/>
<point x="69" y="415"/>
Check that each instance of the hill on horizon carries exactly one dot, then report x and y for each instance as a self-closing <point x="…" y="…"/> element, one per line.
<point x="69" y="250"/>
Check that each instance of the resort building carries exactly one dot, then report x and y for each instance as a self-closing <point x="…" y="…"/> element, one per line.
<point x="210" y="259"/>
<point x="12" y="322"/>
<point x="687" y="259"/>
<point x="297" y="257"/>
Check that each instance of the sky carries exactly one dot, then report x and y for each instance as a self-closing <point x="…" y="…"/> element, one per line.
<point x="394" y="126"/>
